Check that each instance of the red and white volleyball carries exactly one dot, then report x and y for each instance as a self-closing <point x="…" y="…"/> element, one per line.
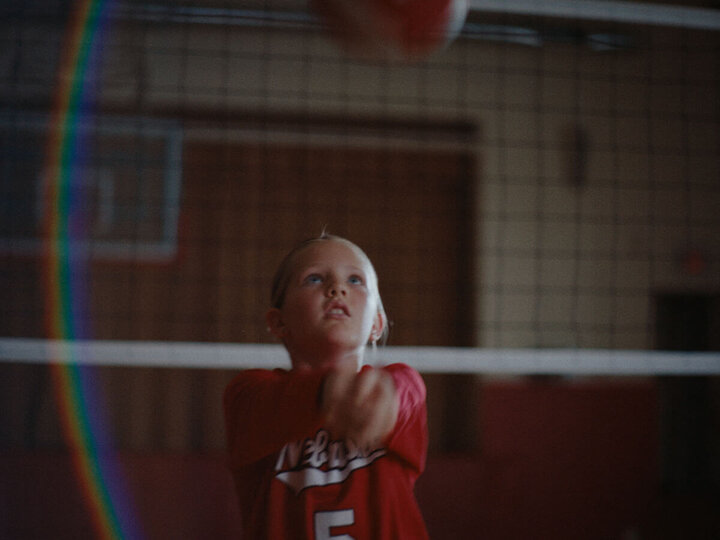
<point x="404" y="29"/>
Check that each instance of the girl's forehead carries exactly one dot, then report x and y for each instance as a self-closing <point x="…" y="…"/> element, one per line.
<point x="331" y="252"/>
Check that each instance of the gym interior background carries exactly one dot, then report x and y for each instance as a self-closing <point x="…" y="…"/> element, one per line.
<point x="549" y="181"/>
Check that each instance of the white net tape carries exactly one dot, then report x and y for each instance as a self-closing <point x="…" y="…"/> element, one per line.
<point x="424" y="359"/>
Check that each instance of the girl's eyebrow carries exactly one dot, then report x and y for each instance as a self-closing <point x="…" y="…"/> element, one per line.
<point x="319" y="265"/>
<point x="305" y="270"/>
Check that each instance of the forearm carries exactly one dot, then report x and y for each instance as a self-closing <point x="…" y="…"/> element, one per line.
<point x="264" y="410"/>
<point x="409" y="437"/>
<point x="410" y="388"/>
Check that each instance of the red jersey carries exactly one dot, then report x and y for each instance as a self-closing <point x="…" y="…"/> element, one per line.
<point x="294" y="480"/>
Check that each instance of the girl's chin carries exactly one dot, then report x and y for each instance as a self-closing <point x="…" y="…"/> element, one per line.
<point x="338" y="338"/>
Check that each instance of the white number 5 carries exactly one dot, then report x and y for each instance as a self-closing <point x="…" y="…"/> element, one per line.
<point x="324" y="521"/>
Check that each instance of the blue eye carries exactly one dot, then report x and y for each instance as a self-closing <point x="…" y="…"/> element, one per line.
<point x="313" y="279"/>
<point x="355" y="280"/>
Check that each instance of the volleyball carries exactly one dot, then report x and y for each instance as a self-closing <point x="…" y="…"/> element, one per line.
<point x="392" y="29"/>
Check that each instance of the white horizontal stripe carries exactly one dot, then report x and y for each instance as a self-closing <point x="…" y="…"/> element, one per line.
<point x="424" y="359"/>
<point x="603" y="10"/>
<point x="617" y="11"/>
<point x="312" y="477"/>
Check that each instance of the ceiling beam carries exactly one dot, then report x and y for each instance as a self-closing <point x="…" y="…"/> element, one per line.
<point x="607" y="10"/>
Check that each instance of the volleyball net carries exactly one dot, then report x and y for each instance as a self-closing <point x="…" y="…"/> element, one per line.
<point x="548" y="182"/>
<point x="469" y="361"/>
<point x="540" y="197"/>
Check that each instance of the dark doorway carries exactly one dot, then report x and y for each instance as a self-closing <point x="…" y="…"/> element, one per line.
<point x="690" y="410"/>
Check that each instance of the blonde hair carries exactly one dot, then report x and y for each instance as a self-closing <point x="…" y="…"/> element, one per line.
<point x="283" y="274"/>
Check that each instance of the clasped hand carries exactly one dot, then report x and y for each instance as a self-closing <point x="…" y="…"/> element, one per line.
<point x="361" y="406"/>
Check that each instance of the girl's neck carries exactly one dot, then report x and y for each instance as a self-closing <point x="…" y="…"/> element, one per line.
<point x="322" y="361"/>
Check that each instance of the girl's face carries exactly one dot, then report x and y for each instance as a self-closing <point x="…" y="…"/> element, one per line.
<point x="330" y="308"/>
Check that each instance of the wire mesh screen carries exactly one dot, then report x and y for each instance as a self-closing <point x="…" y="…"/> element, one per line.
<point x="570" y="167"/>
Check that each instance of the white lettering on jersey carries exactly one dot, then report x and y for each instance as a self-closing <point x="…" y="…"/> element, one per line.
<point x="325" y="521"/>
<point x="319" y="461"/>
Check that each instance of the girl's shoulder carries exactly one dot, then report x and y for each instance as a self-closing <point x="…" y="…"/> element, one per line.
<point x="401" y="368"/>
<point x="406" y="377"/>
<point x="253" y="376"/>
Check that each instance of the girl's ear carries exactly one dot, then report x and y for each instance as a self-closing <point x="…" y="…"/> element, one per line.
<point x="275" y="325"/>
<point x="378" y="327"/>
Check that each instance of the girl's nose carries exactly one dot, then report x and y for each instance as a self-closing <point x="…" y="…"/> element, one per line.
<point x="335" y="288"/>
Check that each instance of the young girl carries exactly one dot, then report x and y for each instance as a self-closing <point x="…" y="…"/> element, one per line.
<point x="330" y="448"/>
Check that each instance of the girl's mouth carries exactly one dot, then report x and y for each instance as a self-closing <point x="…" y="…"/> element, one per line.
<point x="337" y="309"/>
